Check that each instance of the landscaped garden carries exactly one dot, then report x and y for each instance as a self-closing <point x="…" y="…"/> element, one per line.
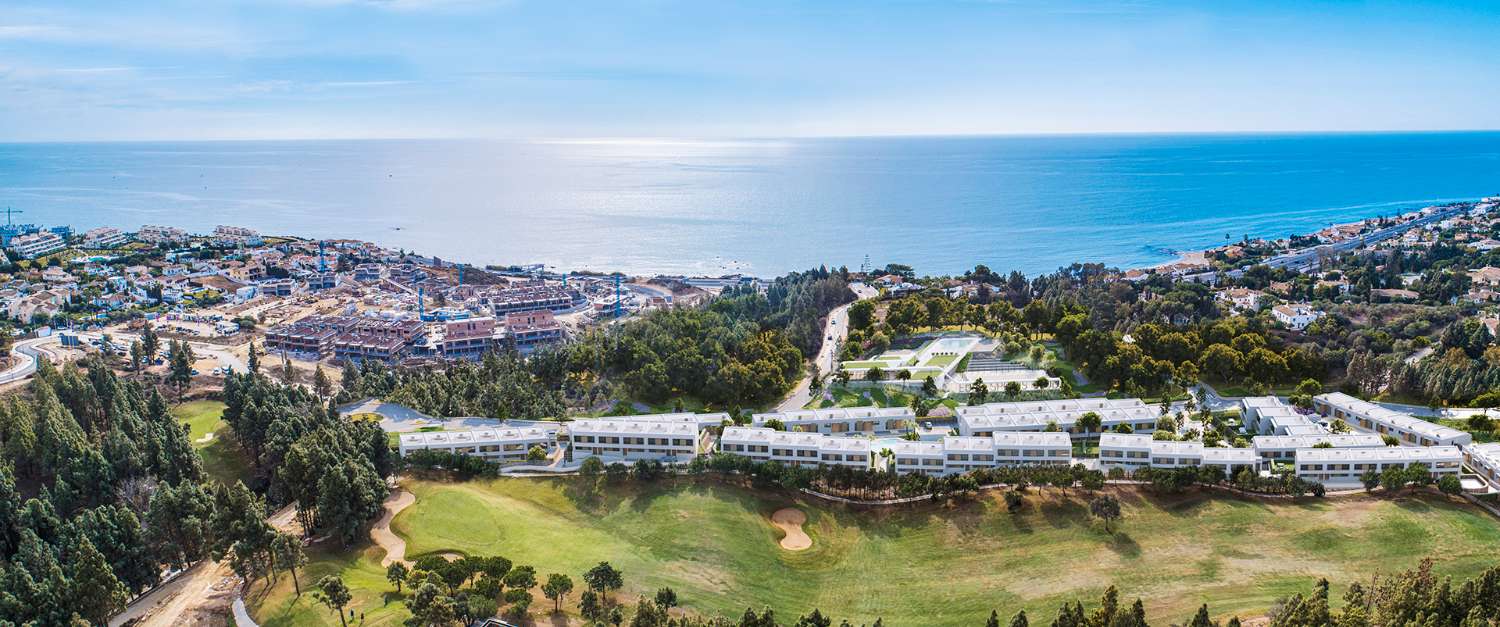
<point x="715" y="545"/>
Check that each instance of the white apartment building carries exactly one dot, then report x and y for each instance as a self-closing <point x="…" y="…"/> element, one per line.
<point x="1295" y="317"/>
<point x="1283" y="448"/>
<point x="1371" y="417"/>
<point x="1133" y="451"/>
<point x="37" y="244"/>
<point x="236" y="236"/>
<point x="154" y="234"/>
<point x="795" y="448"/>
<point x="104" y="237"/>
<point x="500" y="445"/>
<point x="1346" y="465"/>
<point x="840" y="420"/>
<point x="992" y="418"/>
<point x="631" y="438"/>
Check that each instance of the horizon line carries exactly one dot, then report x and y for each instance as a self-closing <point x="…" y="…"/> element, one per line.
<point x="623" y="139"/>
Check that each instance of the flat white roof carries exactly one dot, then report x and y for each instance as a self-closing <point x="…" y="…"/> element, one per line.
<point x="1230" y="455"/>
<point x="763" y="435"/>
<point x="1125" y="440"/>
<point x="471" y="437"/>
<point x="618" y="426"/>
<point x="1382" y="454"/>
<point x="834" y="413"/>
<point x="1348" y="440"/>
<point x="1391" y="418"/>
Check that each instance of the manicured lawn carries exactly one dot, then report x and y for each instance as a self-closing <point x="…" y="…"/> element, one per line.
<point x="939" y="361"/>
<point x="222" y="459"/>
<point x="924" y="565"/>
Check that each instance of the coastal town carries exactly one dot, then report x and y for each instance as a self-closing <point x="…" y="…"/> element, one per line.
<point x="1316" y="368"/>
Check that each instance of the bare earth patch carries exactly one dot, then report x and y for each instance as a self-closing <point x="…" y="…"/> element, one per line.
<point x="380" y="533"/>
<point x="790" y="521"/>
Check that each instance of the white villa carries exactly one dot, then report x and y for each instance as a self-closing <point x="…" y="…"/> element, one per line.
<point x="499" y="445"/>
<point x="1345" y="465"/>
<point x="992" y="418"/>
<point x="841" y="420"/>
<point x="1295" y="317"/>
<point x="1371" y="417"/>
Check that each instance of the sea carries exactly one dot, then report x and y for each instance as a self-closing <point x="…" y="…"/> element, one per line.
<point x="761" y="206"/>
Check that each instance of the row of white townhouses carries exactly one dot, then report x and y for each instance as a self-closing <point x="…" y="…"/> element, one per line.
<point x="1000" y="434"/>
<point x="992" y="418"/>
<point x="1371" y="417"/>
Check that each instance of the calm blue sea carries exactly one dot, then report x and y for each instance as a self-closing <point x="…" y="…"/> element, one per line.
<point x="761" y="206"/>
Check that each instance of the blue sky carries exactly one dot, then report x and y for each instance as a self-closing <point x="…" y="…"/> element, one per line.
<point x="84" y="70"/>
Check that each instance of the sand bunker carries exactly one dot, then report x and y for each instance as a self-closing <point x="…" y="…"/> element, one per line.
<point x="790" y="521"/>
<point x="380" y="532"/>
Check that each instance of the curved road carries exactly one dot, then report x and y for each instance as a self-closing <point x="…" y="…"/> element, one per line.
<point x="835" y="330"/>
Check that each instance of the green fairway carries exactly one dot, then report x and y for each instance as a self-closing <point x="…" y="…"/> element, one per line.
<point x="924" y="565"/>
<point x="222" y="460"/>
<point x="275" y="603"/>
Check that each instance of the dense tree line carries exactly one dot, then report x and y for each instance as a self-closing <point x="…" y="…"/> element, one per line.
<point x="99" y="491"/>
<point x="722" y="355"/>
<point x="500" y="386"/>
<point x="331" y="468"/>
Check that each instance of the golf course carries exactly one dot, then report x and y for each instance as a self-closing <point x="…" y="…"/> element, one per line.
<point x="716" y="545"/>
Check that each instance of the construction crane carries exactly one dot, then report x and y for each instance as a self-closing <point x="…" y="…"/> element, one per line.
<point x="9" y="213"/>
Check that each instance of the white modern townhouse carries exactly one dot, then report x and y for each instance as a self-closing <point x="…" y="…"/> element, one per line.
<point x="632" y="438"/>
<point x="841" y="420"/>
<point x="504" y="445"/>
<point x="1371" y="417"/>
<point x="1133" y="451"/>
<point x="1344" y="466"/>
<point x="1007" y="449"/>
<point x="795" y="448"/>
<point x="1484" y="460"/>
<point x="918" y="457"/>
<point x="1268" y="415"/>
<point x="1283" y="448"/>
<point x="992" y="418"/>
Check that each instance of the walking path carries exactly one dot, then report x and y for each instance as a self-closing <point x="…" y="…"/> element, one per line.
<point x="380" y="532"/>
<point x="205" y="585"/>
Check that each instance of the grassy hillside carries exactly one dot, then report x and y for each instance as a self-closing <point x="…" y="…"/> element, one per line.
<point x="933" y="565"/>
